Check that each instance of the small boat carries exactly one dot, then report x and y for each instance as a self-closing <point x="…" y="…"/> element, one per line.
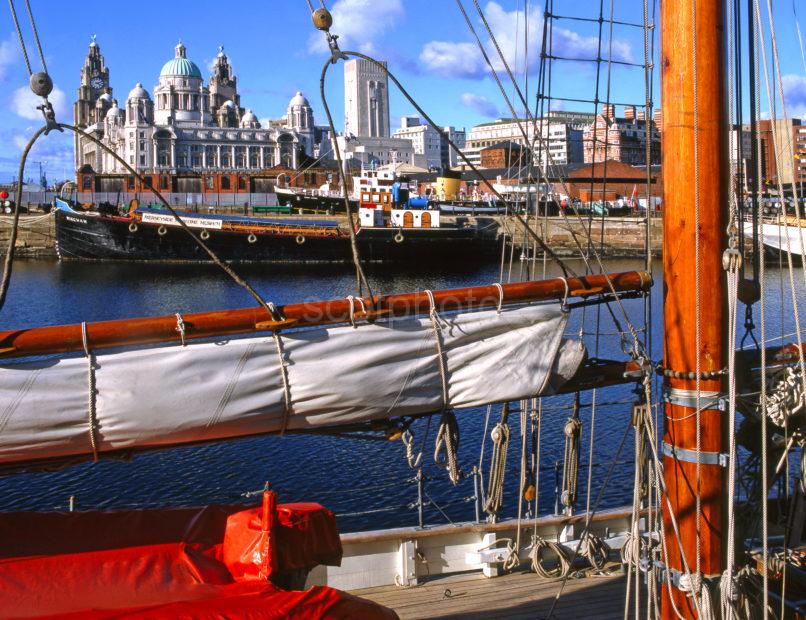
<point x="781" y="236"/>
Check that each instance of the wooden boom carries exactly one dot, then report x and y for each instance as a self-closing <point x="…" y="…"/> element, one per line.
<point x="149" y="330"/>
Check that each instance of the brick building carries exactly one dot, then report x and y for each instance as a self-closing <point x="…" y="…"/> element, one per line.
<point x="504" y="155"/>
<point x="621" y="139"/>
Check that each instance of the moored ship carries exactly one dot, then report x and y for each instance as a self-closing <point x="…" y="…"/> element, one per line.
<point x="400" y="234"/>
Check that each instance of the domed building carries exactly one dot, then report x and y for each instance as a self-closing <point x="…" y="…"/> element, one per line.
<point x="191" y="136"/>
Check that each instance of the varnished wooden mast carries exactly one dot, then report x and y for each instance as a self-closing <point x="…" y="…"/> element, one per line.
<point x="150" y="330"/>
<point x="680" y="272"/>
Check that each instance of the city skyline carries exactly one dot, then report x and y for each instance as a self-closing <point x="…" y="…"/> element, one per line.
<point x="429" y="47"/>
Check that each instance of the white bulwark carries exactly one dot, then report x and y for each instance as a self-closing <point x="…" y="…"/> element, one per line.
<point x="188" y="125"/>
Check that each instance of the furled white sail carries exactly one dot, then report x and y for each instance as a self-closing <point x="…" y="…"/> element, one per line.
<point x="171" y="395"/>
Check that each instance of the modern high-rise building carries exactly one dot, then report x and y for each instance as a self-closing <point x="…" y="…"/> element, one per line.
<point x="366" y="100"/>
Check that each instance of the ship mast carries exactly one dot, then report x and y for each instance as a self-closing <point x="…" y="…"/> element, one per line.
<point x="694" y="173"/>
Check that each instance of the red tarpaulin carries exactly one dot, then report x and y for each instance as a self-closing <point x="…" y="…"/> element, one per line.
<point x="211" y="562"/>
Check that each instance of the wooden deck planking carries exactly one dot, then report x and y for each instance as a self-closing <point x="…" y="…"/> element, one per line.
<point x="518" y="595"/>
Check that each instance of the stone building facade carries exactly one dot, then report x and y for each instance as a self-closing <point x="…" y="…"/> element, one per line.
<point x="190" y="132"/>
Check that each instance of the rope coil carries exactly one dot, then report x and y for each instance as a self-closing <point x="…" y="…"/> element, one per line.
<point x="540" y="554"/>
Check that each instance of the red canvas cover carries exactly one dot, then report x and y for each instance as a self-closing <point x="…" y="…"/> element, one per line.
<point x="212" y="562"/>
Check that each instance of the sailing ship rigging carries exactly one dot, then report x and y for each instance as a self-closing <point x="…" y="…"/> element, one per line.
<point x="105" y="389"/>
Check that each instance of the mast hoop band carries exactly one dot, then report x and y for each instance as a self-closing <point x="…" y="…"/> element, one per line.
<point x="92" y="420"/>
<point x="690" y="456"/>
<point x="689" y="398"/>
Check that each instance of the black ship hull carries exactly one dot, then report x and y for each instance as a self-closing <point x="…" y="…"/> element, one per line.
<point x="95" y="237"/>
<point x="310" y="203"/>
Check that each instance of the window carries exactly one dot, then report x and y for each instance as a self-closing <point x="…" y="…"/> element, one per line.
<point x="242" y="183"/>
<point x="142" y="160"/>
<point x="130" y="182"/>
<point x="86" y="182"/>
<point x="208" y="182"/>
<point x="163" y="182"/>
<point x="225" y="183"/>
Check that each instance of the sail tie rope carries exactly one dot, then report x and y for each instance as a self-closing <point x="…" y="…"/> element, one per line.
<point x="511" y="560"/>
<point x="91" y="391"/>
<point x="498" y="463"/>
<point x="448" y="434"/>
<point x="351" y="299"/>
<point x="286" y="387"/>
<point x="500" y="296"/>
<point x="180" y="327"/>
<point x="564" y="304"/>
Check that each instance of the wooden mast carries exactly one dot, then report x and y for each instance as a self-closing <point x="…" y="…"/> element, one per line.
<point x="680" y="271"/>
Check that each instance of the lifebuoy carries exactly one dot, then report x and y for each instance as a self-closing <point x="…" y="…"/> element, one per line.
<point x="133" y="227"/>
<point x="251" y="238"/>
<point x="204" y="235"/>
<point x="300" y="239"/>
<point x="161" y="231"/>
<point x="399" y="238"/>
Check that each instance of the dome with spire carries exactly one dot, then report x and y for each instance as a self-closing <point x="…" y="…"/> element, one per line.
<point x="114" y="111"/>
<point x="249" y="120"/>
<point x="138" y="92"/>
<point x="180" y="65"/>
<point x="299" y="100"/>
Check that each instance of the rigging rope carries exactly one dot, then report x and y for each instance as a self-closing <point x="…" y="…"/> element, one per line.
<point x="92" y="418"/>
<point x="570" y="481"/>
<point x="498" y="463"/>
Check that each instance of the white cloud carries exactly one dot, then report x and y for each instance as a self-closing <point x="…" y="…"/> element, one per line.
<point x="24" y="103"/>
<point x="480" y="104"/>
<point x="462" y="59"/>
<point x="795" y="95"/>
<point x="359" y="24"/>
<point x="8" y="56"/>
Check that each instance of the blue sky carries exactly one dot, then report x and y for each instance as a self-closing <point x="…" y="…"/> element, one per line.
<point x="275" y="52"/>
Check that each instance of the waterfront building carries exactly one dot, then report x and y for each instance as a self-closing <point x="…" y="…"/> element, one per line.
<point x="788" y="165"/>
<point x="191" y="136"/>
<point x="429" y="143"/>
<point x="376" y="152"/>
<point x="366" y="100"/>
<point x="622" y="139"/>
<point x="555" y="139"/>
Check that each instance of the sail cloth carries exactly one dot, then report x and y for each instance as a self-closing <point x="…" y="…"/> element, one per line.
<point x="170" y="395"/>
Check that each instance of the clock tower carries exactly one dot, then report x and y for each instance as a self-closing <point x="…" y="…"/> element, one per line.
<point x="94" y="84"/>
<point x="93" y="102"/>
